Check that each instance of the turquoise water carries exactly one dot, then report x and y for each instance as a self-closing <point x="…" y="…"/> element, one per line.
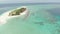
<point x="40" y="21"/>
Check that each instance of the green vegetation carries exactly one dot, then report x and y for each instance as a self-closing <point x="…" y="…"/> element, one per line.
<point x="17" y="12"/>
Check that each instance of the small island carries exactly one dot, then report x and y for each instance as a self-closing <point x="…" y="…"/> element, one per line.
<point x="17" y="12"/>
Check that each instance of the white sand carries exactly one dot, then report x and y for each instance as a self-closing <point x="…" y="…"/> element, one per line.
<point x="4" y="17"/>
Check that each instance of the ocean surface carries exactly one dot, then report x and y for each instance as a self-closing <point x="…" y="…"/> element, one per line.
<point x="42" y="19"/>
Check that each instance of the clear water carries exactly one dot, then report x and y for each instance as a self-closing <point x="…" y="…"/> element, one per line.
<point x="42" y="19"/>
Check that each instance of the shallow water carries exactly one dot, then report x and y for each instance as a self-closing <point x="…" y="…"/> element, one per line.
<point x="40" y="21"/>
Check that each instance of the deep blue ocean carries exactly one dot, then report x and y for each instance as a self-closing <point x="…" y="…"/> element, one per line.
<point x="42" y="19"/>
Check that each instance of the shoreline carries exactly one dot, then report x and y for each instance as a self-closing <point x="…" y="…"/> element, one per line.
<point x="4" y="17"/>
